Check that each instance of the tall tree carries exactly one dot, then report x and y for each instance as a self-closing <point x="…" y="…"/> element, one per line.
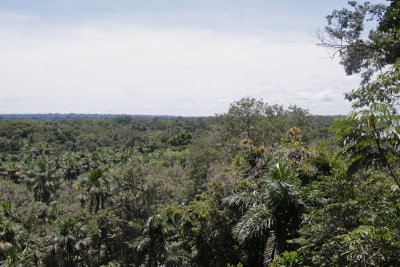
<point x="361" y="51"/>
<point x="98" y="189"/>
<point x="152" y="240"/>
<point x="272" y="214"/>
<point x="67" y="242"/>
<point x="370" y="137"/>
<point x="44" y="182"/>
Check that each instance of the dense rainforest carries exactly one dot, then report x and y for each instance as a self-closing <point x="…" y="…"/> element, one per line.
<point x="259" y="185"/>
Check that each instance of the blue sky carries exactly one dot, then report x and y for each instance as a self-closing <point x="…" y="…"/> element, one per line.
<point x="232" y="15"/>
<point x="180" y="57"/>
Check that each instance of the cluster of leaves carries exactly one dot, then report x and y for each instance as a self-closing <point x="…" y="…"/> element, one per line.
<point x="219" y="200"/>
<point x="258" y="185"/>
<point x="216" y="201"/>
<point x="141" y="203"/>
<point x="361" y="51"/>
<point x="352" y="215"/>
<point x="76" y="134"/>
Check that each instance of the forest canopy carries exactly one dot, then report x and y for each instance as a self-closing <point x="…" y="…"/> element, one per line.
<point x="259" y="185"/>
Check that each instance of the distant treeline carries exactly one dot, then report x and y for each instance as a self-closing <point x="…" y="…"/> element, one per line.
<point x="77" y="115"/>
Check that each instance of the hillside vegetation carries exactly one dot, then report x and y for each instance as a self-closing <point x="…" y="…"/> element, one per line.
<point x="259" y="185"/>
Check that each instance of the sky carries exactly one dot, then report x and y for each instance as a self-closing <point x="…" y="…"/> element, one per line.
<point x="166" y="57"/>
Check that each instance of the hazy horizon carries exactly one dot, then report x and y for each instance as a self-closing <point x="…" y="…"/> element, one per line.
<point x="185" y="58"/>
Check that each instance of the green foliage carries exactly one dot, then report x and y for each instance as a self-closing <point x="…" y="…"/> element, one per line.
<point x="206" y="232"/>
<point x="98" y="190"/>
<point x="257" y="185"/>
<point x="255" y="120"/>
<point x="361" y="51"/>
<point x="238" y="265"/>
<point x="67" y="243"/>
<point x="384" y="89"/>
<point x="370" y="138"/>
<point x="338" y="209"/>
<point x="288" y="259"/>
<point x="152" y="242"/>
<point x="181" y="139"/>
<point x="272" y="214"/>
<point x="116" y="192"/>
<point x="367" y="245"/>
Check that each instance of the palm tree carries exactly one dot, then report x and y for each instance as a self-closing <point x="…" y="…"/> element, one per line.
<point x="13" y="256"/>
<point x="45" y="182"/>
<point x="180" y="258"/>
<point x="272" y="214"/>
<point x="12" y="239"/>
<point x="43" y="188"/>
<point x="68" y="241"/>
<point x="98" y="189"/>
<point x="152" y="240"/>
<point x="6" y="237"/>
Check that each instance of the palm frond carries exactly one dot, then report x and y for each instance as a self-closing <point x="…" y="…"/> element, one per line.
<point x="4" y="246"/>
<point x="271" y="250"/>
<point x="180" y="258"/>
<point x="168" y="230"/>
<point x="82" y="244"/>
<point x="243" y="200"/>
<point x="137" y="225"/>
<point x="281" y="172"/>
<point x="142" y="245"/>
<point x="256" y="223"/>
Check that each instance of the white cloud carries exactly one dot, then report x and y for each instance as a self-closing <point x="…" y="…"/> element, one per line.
<point x="12" y="16"/>
<point x="138" y="70"/>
